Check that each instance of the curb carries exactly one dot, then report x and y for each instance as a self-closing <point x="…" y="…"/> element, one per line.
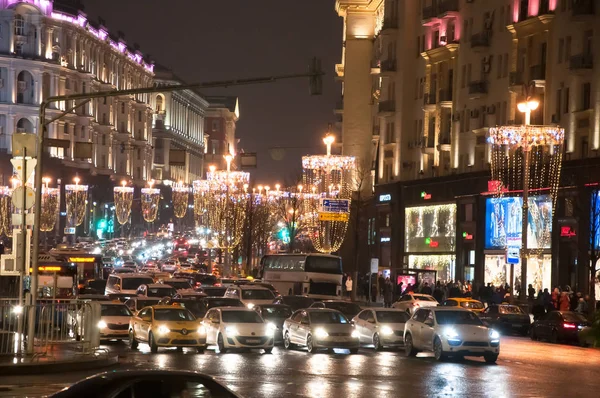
<point x="58" y="366"/>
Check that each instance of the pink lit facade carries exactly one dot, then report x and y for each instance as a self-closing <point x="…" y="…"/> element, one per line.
<point x="48" y="53"/>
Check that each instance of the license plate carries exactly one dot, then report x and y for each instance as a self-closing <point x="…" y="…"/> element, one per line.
<point x="253" y="341"/>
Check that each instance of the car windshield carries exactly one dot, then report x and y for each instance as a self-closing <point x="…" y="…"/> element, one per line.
<point x="146" y="303"/>
<point x="511" y="309"/>
<point x="457" y="318"/>
<point x="424" y="298"/>
<point x="346" y="308"/>
<point x="206" y="279"/>
<point x="391" y="316"/>
<point x="327" y="317"/>
<point x="174" y="314"/>
<point x="179" y="284"/>
<point x="573" y="317"/>
<point x="134" y="283"/>
<point x="472" y="305"/>
<point x="276" y="312"/>
<point x="257" y="294"/>
<point x="217" y="291"/>
<point x="114" y="310"/>
<point x="192" y="305"/>
<point x="225" y="303"/>
<point x="161" y="291"/>
<point x="241" y="317"/>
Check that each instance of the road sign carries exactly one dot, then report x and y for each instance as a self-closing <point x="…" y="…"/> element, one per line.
<point x="335" y="205"/>
<point x="24" y="144"/>
<point x="328" y="216"/>
<point x="374" y="265"/>
<point x="513" y="255"/>
<point x="17" y="197"/>
<point x="70" y="231"/>
<point x="17" y="219"/>
<point x="23" y="166"/>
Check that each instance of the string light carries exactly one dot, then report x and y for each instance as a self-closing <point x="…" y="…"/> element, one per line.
<point x="49" y="208"/>
<point x="75" y="196"/>
<point x="123" y="200"/>
<point x="150" y="199"/>
<point x="5" y="211"/>
<point x="180" y="199"/>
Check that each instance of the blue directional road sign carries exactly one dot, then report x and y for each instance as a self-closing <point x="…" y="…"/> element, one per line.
<point x="335" y="205"/>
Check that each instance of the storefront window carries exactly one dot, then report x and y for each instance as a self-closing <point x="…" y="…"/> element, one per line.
<point x="498" y="272"/>
<point x="430" y="228"/>
<point x="442" y="263"/>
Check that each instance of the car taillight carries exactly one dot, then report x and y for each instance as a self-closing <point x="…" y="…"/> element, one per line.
<point x="198" y="284"/>
<point x="415" y="304"/>
<point x="217" y="284"/>
<point x="569" y="326"/>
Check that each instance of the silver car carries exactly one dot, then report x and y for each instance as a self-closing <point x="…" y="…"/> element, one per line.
<point x="317" y="328"/>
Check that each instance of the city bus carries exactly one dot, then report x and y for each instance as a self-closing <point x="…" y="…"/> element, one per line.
<point x="314" y="275"/>
<point x="56" y="278"/>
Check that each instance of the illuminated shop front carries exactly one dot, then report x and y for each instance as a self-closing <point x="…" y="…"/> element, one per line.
<point x="430" y="239"/>
<point x="503" y="224"/>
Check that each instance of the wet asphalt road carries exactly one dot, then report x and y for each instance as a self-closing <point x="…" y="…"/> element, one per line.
<point x="525" y="369"/>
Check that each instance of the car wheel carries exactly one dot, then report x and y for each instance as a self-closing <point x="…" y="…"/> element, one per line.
<point x="221" y="344"/>
<point x="409" y="348"/>
<point x="377" y="342"/>
<point x="554" y="337"/>
<point x="309" y="345"/>
<point x="200" y="350"/>
<point x="287" y="343"/>
<point x="490" y="358"/>
<point x="533" y="334"/>
<point x="152" y="343"/>
<point x="268" y="350"/>
<point x="353" y="350"/>
<point x="438" y="350"/>
<point x="133" y="344"/>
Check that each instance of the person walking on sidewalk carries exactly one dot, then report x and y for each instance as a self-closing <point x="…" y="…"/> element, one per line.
<point x="349" y="287"/>
<point x="388" y="291"/>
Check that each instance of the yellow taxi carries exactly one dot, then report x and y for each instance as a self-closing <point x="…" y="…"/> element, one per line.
<point x="464" y="302"/>
<point x="166" y="326"/>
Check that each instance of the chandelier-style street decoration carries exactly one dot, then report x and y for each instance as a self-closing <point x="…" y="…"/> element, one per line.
<point x="75" y="197"/>
<point x="50" y="209"/>
<point x="123" y="200"/>
<point x="180" y="198"/>
<point x="150" y="199"/>
<point x="328" y="180"/>
<point x="5" y="211"/>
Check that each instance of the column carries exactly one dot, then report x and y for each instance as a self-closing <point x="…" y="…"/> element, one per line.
<point x="38" y="41"/>
<point x="11" y="35"/>
<point x="12" y="77"/>
<point x="49" y="31"/>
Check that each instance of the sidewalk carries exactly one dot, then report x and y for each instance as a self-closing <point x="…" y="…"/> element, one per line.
<point x="56" y="360"/>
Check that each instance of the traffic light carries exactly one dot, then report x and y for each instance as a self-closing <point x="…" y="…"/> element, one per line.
<point x="284" y="235"/>
<point x="101" y="226"/>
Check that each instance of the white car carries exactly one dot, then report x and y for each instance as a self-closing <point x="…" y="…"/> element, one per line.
<point x="411" y="302"/>
<point x="156" y="290"/>
<point x="180" y="284"/>
<point x="235" y="327"/>
<point x="170" y="266"/>
<point x="250" y="295"/>
<point x="450" y="332"/>
<point x="114" y="321"/>
<point x="381" y="327"/>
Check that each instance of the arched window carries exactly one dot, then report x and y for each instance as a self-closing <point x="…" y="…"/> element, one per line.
<point x="24" y="126"/>
<point x="19" y="25"/>
<point x="159" y="103"/>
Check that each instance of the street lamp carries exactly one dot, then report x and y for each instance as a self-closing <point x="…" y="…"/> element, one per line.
<point x="527" y="107"/>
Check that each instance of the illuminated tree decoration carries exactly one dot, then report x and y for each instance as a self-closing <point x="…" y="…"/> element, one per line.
<point x="5" y="211"/>
<point x="327" y="176"/>
<point x="123" y="200"/>
<point x="180" y="198"/>
<point x="150" y="199"/>
<point x="75" y="196"/>
<point x="49" y="208"/>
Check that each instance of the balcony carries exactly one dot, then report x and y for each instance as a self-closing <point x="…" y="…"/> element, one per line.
<point x="429" y="12"/>
<point x="447" y="6"/>
<point x="387" y="108"/>
<point x="537" y="72"/>
<point x="429" y="101"/>
<point x="583" y="8"/>
<point x="388" y="66"/>
<point x="389" y="25"/>
<point x="528" y="25"/>
<point x="445" y="97"/>
<point x="481" y="40"/>
<point x="581" y="62"/>
<point x="516" y="79"/>
<point x="478" y="88"/>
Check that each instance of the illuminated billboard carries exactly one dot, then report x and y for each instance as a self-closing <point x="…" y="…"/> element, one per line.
<point x="503" y="222"/>
<point x="430" y="228"/>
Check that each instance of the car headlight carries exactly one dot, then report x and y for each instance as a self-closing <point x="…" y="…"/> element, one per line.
<point x="201" y="329"/>
<point x="494" y="335"/>
<point x="320" y="333"/>
<point x="355" y="334"/>
<point x="386" y="331"/>
<point x="162" y="329"/>
<point x="271" y="328"/>
<point x="250" y="305"/>
<point x="231" y="331"/>
<point x="101" y="325"/>
<point x="451" y="333"/>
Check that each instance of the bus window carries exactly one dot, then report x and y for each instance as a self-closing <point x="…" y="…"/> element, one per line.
<point x="322" y="264"/>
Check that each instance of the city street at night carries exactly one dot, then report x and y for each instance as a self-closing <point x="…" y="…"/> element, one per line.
<point x="525" y="368"/>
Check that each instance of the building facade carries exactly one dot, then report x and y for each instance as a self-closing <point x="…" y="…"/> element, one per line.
<point x="220" y="128"/>
<point x="48" y="52"/>
<point x="423" y="81"/>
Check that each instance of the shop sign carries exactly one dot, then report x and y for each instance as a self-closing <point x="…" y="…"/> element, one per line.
<point x="385" y="239"/>
<point x="567" y="232"/>
<point x="425" y="195"/>
<point x="383" y="198"/>
<point x="467" y="236"/>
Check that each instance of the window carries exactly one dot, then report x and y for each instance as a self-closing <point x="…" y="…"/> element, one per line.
<point x="463" y="76"/>
<point x="588" y="38"/>
<point x="566" y="100"/>
<point x="66" y="128"/>
<point x="586" y="96"/>
<point x="19" y="25"/>
<point x="139" y="154"/>
<point x="122" y="107"/>
<point x="19" y="49"/>
<point x="499" y="73"/>
<point x="104" y="118"/>
<point x="558" y="104"/>
<point x="568" y="48"/>
<point x="561" y="49"/>
<point x="215" y="125"/>
<point x="505" y="67"/>
<point x="469" y="74"/>
<point x="584" y="147"/>
<point x="82" y="131"/>
<point x="103" y="161"/>
<point x="501" y="19"/>
<point x="103" y="139"/>
<point x="139" y="116"/>
<point x="418" y="46"/>
<point x="159" y="103"/>
<point x="123" y="130"/>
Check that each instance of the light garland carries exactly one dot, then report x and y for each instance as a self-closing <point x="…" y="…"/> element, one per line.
<point x="49" y="208"/>
<point x="5" y="211"/>
<point x="433" y="221"/>
<point x="123" y="200"/>
<point x="526" y="136"/>
<point x="150" y="199"/>
<point x="181" y="197"/>
<point x="75" y="197"/>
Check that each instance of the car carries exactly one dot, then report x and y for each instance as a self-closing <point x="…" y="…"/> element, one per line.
<point x="191" y="294"/>
<point x="250" y="295"/>
<point x="227" y="282"/>
<point x="169" y="266"/>
<point x="213" y="291"/>
<point x="108" y="261"/>
<point x="114" y="321"/>
<point x="450" y="332"/>
<point x="123" y="271"/>
<point x="468" y="303"/>
<point x="559" y="326"/>
<point x="410" y="302"/>
<point x="506" y="319"/>
<point x="178" y="283"/>
<point x="93" y="297"/>
<point x="135" y="304"/>
<point x="191" y="304"/>
<point x="93" y="286"/>
<point x="156" y="290"/>
<point x="126" y="283"/>
<point x="268" y="286"/>
<point x="122" y="297"/>
<point x="317" y="328"/>
<point x="146" y="383"/>
<point x="166" y="326"/>
<point x="229" y="328"/>
<point x="200" y="280"/>
<point x="381" y="327"/>
<point x="277" y="314"/>
<point x="345" y="307"/>
<point x="295" y="302"/>
<point x="207" y="303"/>
<point x="130" y="264"/>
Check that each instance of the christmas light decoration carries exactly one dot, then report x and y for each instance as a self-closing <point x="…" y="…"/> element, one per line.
<point x="75" y="197"/>
<point x="50" y="202"/>
<point x="5" y="211"/>
<point x="150" y="199"/>
<point x="180" y="199"/>
<point x="123" y="199"/>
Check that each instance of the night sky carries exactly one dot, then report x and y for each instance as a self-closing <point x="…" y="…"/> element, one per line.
<point x="203" y="40"/>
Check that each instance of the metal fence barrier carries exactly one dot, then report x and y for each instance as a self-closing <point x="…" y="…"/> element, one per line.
<point x="70" y="324"/>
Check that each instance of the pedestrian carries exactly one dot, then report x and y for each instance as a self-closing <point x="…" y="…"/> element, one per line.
<point x="547" y="301"/>
<point x="381" y="281"/>
<point x="426" y="289"/>
<point x="574" y="299"/>
<point x="349" y="287"/>
<point x="399" y="289"/>
<point x="582" y="307"/>
<point x="344" y="279"/>
<point x="438" y="292"/>
<point x="555" y="298"/>
<point x="374" y="292"/>
<point x="564" y="302"/>
<point x="531" y="292"/>
<point x="387" y="293"/>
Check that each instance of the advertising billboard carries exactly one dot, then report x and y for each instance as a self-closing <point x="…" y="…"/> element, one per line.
<point x="503" y="222"/>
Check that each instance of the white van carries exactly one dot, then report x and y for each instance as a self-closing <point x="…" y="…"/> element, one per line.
<point x="250" y="294"/>
<point x="126" y="283"/>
